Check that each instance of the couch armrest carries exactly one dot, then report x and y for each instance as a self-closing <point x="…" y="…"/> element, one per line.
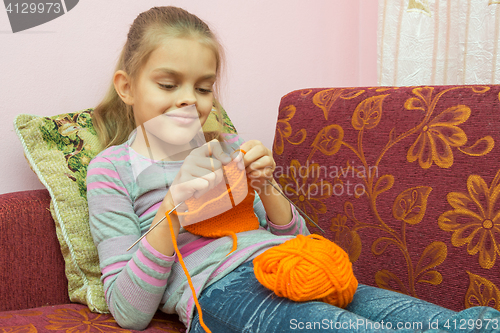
<point x="31" y="263"/>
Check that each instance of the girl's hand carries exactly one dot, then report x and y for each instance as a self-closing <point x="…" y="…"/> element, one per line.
<point x="259" y="164"/>
<point x="200" y="172"/>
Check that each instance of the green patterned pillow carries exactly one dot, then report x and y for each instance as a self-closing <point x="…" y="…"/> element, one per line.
<point x="59" y="149"/>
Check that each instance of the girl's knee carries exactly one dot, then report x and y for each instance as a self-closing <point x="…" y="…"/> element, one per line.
<point x="480" y="312"/>
<point x="475" y="319"/>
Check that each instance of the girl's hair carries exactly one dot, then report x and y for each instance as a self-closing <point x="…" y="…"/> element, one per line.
<point x="113" y="119"/>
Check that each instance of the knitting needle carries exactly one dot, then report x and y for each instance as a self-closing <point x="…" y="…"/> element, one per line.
<point x="161" y="220"/>
<point x="300" y="210"/>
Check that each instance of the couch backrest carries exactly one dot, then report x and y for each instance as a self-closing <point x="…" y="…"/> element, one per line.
<point x="406" y="180"/>
<point x="31" y="263"/>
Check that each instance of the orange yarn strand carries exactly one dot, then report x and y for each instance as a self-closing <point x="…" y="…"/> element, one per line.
<point x="238" y="217"/>
<point x="221" y="233"/>
<point x="181" y="261"/>
<point x="230" y="194"/>
<point x="308" y="268"/>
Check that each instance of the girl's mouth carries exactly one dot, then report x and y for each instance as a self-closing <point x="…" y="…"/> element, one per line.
<point x="181" y="119"/>
<point x="183" y="116"/>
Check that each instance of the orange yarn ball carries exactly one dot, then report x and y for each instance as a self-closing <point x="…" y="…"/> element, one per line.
<point x="308" y="268"/>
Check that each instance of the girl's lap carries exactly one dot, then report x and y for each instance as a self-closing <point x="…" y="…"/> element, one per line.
<point x="239" y="303"/>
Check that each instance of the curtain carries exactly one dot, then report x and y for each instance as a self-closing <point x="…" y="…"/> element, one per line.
<point x="436" y="42"/>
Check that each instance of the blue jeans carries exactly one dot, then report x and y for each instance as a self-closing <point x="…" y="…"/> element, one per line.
<point x="239" y="303"/>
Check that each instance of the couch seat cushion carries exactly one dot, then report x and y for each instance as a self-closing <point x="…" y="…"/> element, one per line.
<point x="76" y="318"/>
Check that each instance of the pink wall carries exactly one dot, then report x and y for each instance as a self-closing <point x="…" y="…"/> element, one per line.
<point x="273" y="47"/>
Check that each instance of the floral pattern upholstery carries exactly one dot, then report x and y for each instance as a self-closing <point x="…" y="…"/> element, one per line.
<point x="76" y="318"/>
<point x="405" y="179"/>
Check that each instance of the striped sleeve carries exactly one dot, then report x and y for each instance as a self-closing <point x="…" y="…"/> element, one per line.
<point x="135" y="280"/>
<point x="296" y="226"/>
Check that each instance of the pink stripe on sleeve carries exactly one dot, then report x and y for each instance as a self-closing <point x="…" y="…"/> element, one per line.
<point x="119" y="158"/>
<point x="107" y="278"/>
<point x="292" y="222"/>
<point x="155" y="252"/>
<point x="112" y="152"/>
<point x="114" y="266"/>
<point x="144" y="277"/>
<point x="195" y="246"/>
<point x="154" y="266"/>
<point x="152" y="209"/>
<point x="227" y="137"/>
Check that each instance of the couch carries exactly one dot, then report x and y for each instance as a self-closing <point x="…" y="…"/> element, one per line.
<point x="33" y="284"/>
<point x="405" y="179"/>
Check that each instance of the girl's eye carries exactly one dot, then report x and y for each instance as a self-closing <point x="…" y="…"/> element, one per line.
<point x="167" y="86"/>
<point x="205" y="91"/>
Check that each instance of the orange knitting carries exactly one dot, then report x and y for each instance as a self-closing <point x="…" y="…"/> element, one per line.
<point x="234" y="198"/>
<point x="301" y="269"/>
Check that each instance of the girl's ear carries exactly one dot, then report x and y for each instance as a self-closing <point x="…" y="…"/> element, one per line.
<point x="123" y="87"/>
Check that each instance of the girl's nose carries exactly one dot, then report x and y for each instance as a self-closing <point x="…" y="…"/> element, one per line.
<point x="186" y="97"/>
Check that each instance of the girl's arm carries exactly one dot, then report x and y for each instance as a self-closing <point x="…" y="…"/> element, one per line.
<point x="259" y="166"/>
<point x="296" y="226"/>
<point x="277" y="208"/>
<point x="134" y="281"/>
<point x="160" y="238"/>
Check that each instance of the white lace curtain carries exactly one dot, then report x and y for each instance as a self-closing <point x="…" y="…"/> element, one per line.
<point x="438" y="42"/>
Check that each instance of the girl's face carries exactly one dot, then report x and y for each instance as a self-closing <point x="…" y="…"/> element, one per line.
<point x="179" y="73"/>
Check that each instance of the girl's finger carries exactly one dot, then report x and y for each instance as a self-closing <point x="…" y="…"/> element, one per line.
<point x="210" y="184"/>
<point x="218" y="152"/>
<point x="262" y="163"/>
<point x="204" y="171"/>
<point x="213" y="179"/>
<point x="184" y="190"/>
<point x="261" y="173"/>
<point x="253" y="152"/>
<point x="195" y="186"/>
<point x="237" y="157"/>
<point x="212" y="148"/>
<point x="208" y="164"/>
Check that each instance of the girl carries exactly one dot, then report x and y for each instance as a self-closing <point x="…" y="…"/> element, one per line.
<point x="168" y="69"/>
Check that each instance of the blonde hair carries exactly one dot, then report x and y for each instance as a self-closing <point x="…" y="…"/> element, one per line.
<point x="113" y="119"/>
